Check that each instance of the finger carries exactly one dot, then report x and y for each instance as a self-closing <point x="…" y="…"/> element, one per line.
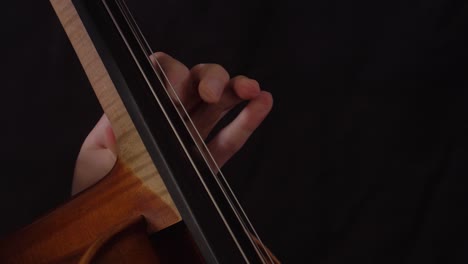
<point x="210" y="79"/>
<point x="101" y="136"/>
<point x="97" y="156"/>
<point x="206" y="116"/>
<point x="239" y="88"/>
<point x="244" y="87"/>
<point x="178" y="76"/>
<point x="231" y="138"/>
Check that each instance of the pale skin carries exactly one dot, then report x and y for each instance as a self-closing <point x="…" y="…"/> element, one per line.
<point x="208" y="92"/>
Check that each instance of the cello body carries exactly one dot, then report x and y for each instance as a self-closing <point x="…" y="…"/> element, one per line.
<point x="132" y="197"/>
<point x="165" y="200"/>
<point x="98" y="226"/>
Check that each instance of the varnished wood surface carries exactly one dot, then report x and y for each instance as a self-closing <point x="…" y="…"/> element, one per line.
<point x="66" y="233"/>
<point x="128" y="243"/>
<point x="132" y="151"/>
<point x="133" y="188"/>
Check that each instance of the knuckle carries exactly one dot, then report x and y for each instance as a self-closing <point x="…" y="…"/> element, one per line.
<point x="198" y="68"/>
<point x="231" y="145"/>
<point x="210" y="69"/>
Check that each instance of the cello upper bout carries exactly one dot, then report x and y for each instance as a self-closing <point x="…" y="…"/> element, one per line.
<point x="66" y="233"/>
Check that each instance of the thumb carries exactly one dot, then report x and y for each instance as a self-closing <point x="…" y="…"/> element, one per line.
<point x="97" y="156"/>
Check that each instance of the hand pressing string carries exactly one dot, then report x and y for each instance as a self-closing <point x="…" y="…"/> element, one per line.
<point x="207" y="92"/>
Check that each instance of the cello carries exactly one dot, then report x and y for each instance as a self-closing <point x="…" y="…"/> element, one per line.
<point x="165" y="182"/>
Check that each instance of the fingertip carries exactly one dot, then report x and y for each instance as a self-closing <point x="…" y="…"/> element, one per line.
<point x="158" y="55"/>
<point x="247" y="88"/>
<point x="266" y="99"/>
<point x="210" y="90"/>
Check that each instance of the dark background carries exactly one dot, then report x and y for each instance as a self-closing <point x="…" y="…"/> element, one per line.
<point x="363" y="157"/>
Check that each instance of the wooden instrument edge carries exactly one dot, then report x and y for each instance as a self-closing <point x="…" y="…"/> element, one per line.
<point x="132" y="151"/>
<point x="132" y="189"/>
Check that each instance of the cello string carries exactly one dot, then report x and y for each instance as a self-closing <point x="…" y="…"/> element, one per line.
<point x="192" y="130"/>
<point x="201" y="144"/>
<point x="190" y="126"/>
<point x="241" y="218"/>
<point x="140" y="38"/>
<point x="174" y="130"/>
<point x="203" y="149"/>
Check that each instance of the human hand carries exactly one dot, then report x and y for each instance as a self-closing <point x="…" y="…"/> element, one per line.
<point x="208" y="93"/>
